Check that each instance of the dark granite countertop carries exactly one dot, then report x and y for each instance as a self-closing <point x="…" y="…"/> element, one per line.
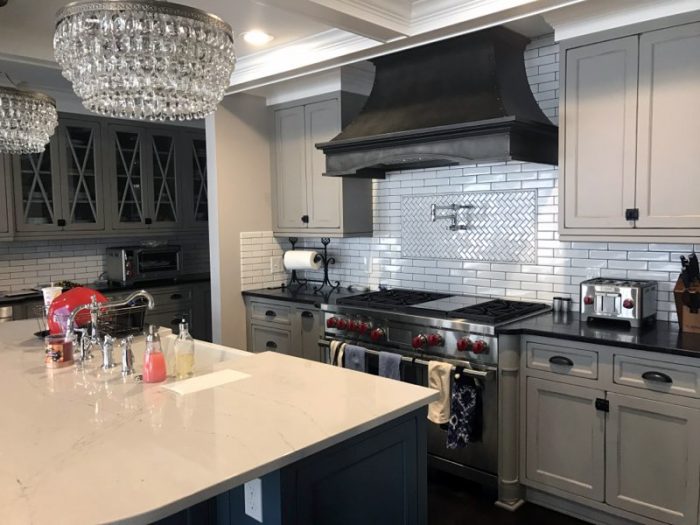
<point x="303" y="295"/>
<point x="107" y="287"/>
<point x="663" y="337"/>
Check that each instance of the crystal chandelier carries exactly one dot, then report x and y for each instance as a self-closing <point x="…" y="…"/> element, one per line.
<point x="27" y="120"/>
<point x="144" y="59"/>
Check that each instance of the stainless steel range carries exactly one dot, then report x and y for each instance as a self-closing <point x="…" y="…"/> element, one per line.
<point x="424" y="326"/>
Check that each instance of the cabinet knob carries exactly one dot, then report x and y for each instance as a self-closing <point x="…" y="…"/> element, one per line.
<point x="148" y="220"/>
<point x="176" y="296"/>
<point x="632" y="214"/>
<point x="305" y="219"/>
<point x="61" y="222"/>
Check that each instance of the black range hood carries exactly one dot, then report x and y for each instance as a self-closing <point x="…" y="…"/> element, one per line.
<point x="458" y="101"/>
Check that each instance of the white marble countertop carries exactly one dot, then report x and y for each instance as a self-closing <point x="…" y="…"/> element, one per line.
<point x="88" y="447"/>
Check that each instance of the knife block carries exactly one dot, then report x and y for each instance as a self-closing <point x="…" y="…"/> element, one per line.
<point x="687" y="320"/>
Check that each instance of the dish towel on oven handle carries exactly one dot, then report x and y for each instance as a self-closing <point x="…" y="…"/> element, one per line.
<point x="390" y="365"/>
<point x="439" y="379"/>
<point x="337" y="350"/>
<point x="464" y="425"/>
<point x="355" y="358"/>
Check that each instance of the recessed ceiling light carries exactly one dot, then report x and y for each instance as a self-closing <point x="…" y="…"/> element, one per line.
<point x="256" y="37"/>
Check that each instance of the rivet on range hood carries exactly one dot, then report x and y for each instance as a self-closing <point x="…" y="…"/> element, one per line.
<point x="457" y="101"/>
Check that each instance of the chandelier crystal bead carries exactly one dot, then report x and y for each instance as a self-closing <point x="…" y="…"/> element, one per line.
<point x="27" y="120"/>
<point x="144" y="59"/>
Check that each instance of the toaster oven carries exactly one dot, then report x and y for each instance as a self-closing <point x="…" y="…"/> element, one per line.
<point x="130" y="264"/>
<point x="619" y="299"/>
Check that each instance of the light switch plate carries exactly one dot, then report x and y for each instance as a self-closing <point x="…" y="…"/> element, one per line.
<point x="253" y="499"/>
<point x="276" y="264"/>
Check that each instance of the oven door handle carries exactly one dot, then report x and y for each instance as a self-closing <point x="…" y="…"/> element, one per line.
<point x="417" y="360"/>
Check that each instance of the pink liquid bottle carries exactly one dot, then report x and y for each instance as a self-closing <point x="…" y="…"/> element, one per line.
<point x="154" y="369"/>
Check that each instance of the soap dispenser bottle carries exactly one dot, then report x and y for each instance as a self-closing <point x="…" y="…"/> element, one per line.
<point x="184" y="352"/>
<point x="154" y="369"/>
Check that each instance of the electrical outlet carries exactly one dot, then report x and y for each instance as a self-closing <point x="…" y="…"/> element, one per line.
<point x="368" y="263"/>
<point x="276" y="264"/>
<point x="253" y="499"/>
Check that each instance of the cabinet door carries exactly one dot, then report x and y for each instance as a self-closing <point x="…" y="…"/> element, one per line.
<point x="128" y="189"/>
<point x="311" y="325"/>
<point x="653" y="459"/>
<point x="162" y="180"/>
<point x="82" y="195"/>
<point x="323" y="194"/>
<point x="565" y="438"/>
<point x="37" y="199"/>
<point x="668" y="181"/>
<point x="600" y="118"/>
<point x="290" y="169"/>
<point x="196" y="155"/>
<point x="4" y="203"/>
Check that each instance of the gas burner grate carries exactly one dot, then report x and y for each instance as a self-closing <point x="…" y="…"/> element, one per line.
<point x="497" y="311"/>
<point x="396" y="297"/>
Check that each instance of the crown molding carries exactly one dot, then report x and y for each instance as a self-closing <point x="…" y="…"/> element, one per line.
<point x="304" y="52"/>
<point x="392" y="14"/>
<point x="430" y="15"/>
<point x="594" y="16"/>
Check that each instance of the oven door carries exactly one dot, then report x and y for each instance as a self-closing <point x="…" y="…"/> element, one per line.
<point x="157" y="263"/>
<point x="477" y="461"/>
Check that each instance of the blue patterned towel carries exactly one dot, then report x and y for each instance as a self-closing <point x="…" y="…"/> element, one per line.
<point x="355" y="358"/>
<point x="464" y="426"/>
<point x="390" y="365"/>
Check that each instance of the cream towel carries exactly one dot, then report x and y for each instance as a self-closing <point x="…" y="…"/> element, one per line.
<point x="439" y="379"/>
<point x="337" y="351"/>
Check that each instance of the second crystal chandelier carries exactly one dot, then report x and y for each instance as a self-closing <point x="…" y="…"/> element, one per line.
<point x="144" y="59"/>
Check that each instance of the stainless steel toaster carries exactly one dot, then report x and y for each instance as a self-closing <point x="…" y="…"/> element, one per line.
<point x="619" y="299"/>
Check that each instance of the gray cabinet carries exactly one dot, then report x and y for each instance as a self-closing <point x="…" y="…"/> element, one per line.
<point x="304" y="201"/>
<point x="629" y="116"/>
<point x="285" y="327"/>
<point x="653" y="463"/>
<point x="127" y="195"/>
<point x="565" y="438"/>
<point x="5" y="219"/>
<point x="195" y="201"/>
<point x="165" y="181"/>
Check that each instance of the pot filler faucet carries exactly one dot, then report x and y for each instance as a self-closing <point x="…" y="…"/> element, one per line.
<point x="91" y="338"/>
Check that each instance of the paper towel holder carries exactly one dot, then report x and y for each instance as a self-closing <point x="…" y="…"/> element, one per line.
<point x="325" y="261"/>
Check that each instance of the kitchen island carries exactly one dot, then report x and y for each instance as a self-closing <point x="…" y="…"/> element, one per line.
<point x="79" y="445"/>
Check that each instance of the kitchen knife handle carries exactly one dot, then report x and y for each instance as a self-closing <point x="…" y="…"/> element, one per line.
<point x="561" y="360"/>
<point x="657" y="377"/>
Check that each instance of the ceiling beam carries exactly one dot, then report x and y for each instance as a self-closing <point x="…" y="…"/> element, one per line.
<point x="383" y="21"/>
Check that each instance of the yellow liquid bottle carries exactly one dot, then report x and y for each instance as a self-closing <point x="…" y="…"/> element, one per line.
<point x="184" y="353"/>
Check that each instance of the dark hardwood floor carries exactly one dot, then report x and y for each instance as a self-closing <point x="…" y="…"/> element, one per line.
<point x="454" y="501"/>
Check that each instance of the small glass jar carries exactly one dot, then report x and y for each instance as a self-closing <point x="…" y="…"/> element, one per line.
<point x="58" y="350"/>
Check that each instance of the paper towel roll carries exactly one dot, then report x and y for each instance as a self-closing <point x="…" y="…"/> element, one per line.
<point x="302" y="260"/>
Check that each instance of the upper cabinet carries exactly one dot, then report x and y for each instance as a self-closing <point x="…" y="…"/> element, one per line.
<point x="104" y="176"/>
<point x="5" y="230"/>
<point x="630" y="121"/>
<point x="305" y="202"/>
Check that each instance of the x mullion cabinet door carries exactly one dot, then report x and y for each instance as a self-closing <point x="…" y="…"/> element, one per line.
<point x="163" y="183"/>
<point x="81" y="175"/>
<point x="196" y="198"/>
<point x="4" y="204"/>
<point x="36" y="190"/>
<point x="127" y="170"/>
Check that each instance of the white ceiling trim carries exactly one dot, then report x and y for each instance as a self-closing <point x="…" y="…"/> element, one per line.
<point x="429" y="15"/>
<point x="392" y="14"/>
<point x="325" y="46"/>
<point x="595" y="16"/>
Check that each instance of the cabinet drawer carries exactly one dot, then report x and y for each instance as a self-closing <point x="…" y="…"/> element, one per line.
<point x="560" y="359"/>
<point x="659" y="376"/>
<point x="272" y="313"/>
<point x="267" y="339"/>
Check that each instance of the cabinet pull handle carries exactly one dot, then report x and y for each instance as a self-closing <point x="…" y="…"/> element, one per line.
<point x="176" y="296"/>
<point x="305" y="219"/>
<point x="271" y="344"/>
<point x="307" y="314"/>
<point x="148" y="220"/>
<point x="61" y="222"/>
<point x="657" y="377"/>
<point x="270" y="313"/>
<point x="561" y="360"/>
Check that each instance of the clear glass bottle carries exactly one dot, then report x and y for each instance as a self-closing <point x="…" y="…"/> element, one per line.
<point x="154" y="368"/>
<point x="184" y="352"/>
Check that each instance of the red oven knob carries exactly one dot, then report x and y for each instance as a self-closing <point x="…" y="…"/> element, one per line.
<point x="628" y="304"/>
<point x="480" y="347"/>
<point x="362" y="327"/>
<point x="464" y="344"/>
<point x="342" y="324"/>
<point x="353" y="326"/>
<point x="588" y="300"/>
<point x="419" y="341"/>
<point x="435" y="340"/>
<point x="377" y="334"/>
<point x="332" y="322"/>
